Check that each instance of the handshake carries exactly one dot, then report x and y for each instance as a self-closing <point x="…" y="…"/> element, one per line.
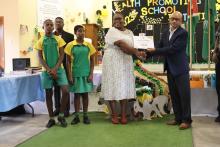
<point x="143" y="55"/>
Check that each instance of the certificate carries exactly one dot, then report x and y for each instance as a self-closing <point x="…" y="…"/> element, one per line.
<point x="143" y="42"/>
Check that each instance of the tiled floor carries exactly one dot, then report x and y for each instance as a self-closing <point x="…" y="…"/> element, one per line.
<point x="15" y="130"/>
<point x="206" y="133"/>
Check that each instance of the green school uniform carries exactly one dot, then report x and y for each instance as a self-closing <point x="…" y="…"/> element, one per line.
<point x="50" y="47"/>
<point x="80" y="54"/>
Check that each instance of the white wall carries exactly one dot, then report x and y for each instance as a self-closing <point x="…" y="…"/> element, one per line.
<point x="24" y="12"/>
<point x="28" y="16"/>
<point x="74" y="9"/>
<point x="9" y="9"/>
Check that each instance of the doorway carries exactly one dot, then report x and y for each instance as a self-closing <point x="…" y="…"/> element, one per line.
<point x="2" y="48"/>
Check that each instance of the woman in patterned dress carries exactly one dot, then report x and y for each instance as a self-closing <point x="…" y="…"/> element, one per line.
<point x="118" y="82"/>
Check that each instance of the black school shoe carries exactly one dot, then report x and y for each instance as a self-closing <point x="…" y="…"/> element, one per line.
<point x="62" y="121"/>
<point x="50" y="123"/>
<point x="217" y="119"/>
<point x="86" y="120"/>
<point x="75" y="121"/>
<point x="66" y="114"/>
<point x="56" y="112"/>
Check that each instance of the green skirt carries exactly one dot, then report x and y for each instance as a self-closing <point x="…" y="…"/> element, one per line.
<point x="81" y="85"/>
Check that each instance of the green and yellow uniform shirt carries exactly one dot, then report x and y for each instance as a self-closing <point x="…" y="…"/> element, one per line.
<point x="50" y="47"/>
<point x="80" y="55"/>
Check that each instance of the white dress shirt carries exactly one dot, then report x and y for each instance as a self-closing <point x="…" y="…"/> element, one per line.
<point x="171" y="33"/>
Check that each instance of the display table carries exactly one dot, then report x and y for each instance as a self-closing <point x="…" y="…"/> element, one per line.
<point x="16" y="90"/>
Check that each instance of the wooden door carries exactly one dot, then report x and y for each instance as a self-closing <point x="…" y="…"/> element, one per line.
<point x="91" y="31"/>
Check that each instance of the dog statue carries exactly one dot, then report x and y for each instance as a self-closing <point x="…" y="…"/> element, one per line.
<point x="147" y="109"/>
<point x="160" y="101"/>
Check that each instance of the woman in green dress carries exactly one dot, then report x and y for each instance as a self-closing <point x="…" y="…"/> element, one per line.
<point x="80" y="65"/>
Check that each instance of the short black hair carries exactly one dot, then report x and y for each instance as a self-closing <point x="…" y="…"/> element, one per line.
<point x="46" y="21"/>
<point x="59" y="18"/>
<point x="77" y="27"/>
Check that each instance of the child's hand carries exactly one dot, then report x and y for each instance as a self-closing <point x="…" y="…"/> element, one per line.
<point x="90" y="78"/>
<point x="71" y="80"/>
<point x="54" y="76"/>
<point x="53" y="73"/>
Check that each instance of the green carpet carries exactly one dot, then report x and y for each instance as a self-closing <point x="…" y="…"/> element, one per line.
<point x="101" y="133"/>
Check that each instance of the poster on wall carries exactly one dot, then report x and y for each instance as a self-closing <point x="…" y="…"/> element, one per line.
<point x="139" y="14"/>
<point x="49" y="9"/>
<point x="151" y="17"/>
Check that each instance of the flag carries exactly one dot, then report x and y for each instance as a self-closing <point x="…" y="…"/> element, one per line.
<point x="210" y="6"/>
<point x="195" y="19"/>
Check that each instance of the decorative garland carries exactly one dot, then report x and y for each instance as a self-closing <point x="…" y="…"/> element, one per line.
<point x="139" y="69"/>
<point x="144" y="90"/>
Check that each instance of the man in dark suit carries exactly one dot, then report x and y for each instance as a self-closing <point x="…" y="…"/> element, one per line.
<point x="173" y="47"/>
<point x="67" y="37"/>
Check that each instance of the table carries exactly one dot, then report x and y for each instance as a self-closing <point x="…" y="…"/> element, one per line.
<point x="16" y="90"/>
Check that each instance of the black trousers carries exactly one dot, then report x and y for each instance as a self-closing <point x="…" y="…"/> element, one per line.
<point x="179" y="88"/>
<point x="217" y="71"/>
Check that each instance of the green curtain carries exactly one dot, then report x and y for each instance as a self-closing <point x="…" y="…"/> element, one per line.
<point x="195" y="19"/>
<point x="210" y="5"/>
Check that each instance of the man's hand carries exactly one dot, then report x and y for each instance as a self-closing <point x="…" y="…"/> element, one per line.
<point x="90" y="78"/>
<point x="141" y="55"/>
<point x="151" y="49"/>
